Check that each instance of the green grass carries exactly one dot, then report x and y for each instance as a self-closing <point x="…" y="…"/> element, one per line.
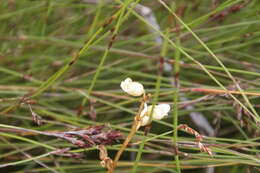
<point x="57" y="53"/>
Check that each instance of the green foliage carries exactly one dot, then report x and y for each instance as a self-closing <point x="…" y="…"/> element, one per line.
<point x="57" y="55"/>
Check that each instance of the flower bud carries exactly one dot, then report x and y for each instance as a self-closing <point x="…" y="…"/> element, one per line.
<point x="159" y="111"/>
<point x="132" y="88"/>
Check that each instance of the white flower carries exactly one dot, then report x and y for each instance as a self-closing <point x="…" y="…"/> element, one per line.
<point x="132" y="88"/>
<point x="159" y="111"/>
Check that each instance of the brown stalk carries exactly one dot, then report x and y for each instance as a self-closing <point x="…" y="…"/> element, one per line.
<point x="198" y="137"/>
<point x="135" y="127"/>
<point x="219" y="91"/>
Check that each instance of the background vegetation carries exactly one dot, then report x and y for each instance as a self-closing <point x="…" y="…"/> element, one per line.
<point x="61" y="64"/>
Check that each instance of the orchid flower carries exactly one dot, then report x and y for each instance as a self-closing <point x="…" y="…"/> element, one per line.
<point x="158" y="113"/>
<point x="132" y="88"/>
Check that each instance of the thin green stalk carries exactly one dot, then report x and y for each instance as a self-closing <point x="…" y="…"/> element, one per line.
<point x="139" y="154"/>
<point x="25" y="139"/>
<point x="93" y="26"/>
<point x="176" y="72"/>
<point x="102" y="61"/>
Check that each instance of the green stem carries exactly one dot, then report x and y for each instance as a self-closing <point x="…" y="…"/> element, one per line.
<point x="175" y="104"/>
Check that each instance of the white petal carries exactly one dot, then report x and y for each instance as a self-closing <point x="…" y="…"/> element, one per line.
<point x="124" y="84"/>
<point x="136" y="89"/>
<point x="165" y="108"/>
<point x="145" y="121"/>
<point x="128" y="80"/>
<point x="144" y="111"/>
<point x="153" y="112"/>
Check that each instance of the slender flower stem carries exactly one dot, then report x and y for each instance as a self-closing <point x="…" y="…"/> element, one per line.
<point x="135" y="127"/>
